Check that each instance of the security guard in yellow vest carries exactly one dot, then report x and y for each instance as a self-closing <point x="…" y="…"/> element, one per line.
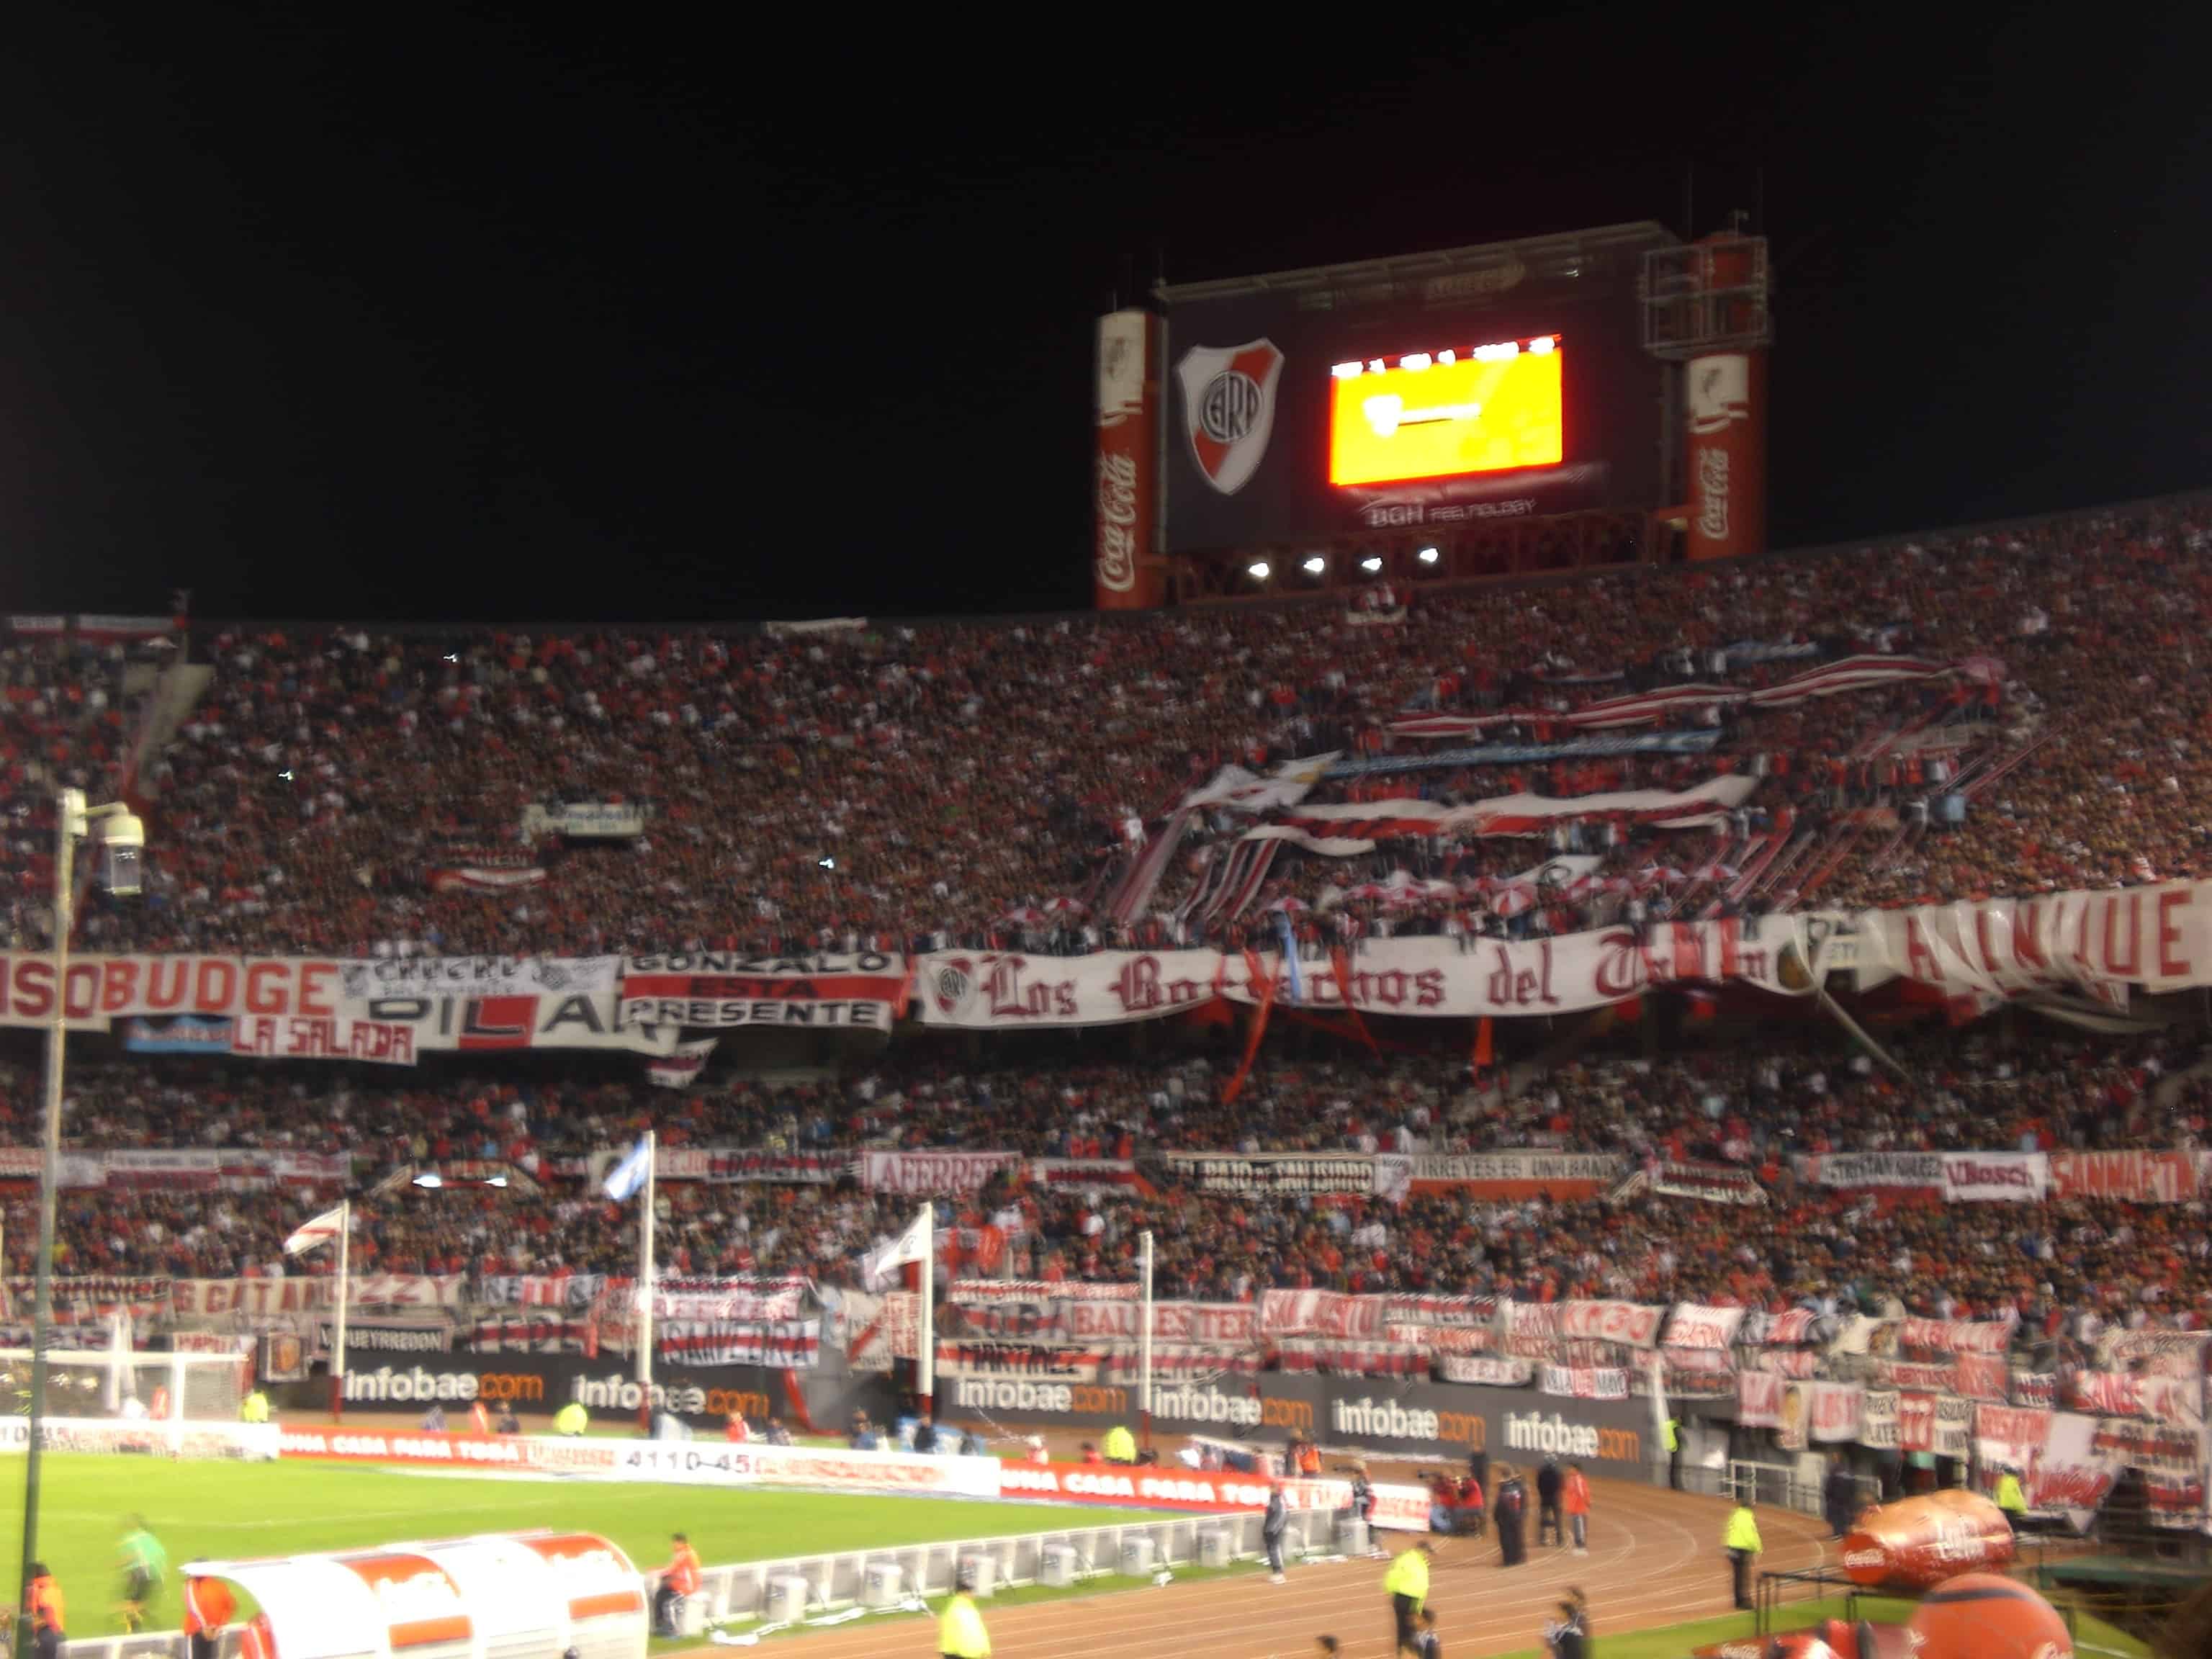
<point x="960" y="1633"/>
<point x="2010" y="1498"/>
<point x="1741" y="1541"/>
<point x="1406" y="1584"/>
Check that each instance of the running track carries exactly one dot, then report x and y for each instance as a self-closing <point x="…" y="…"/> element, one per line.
<point x="1655" y="1560"/>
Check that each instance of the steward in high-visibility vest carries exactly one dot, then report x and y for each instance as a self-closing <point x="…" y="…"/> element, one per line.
<point x="2010" y="1498"/>
<point x="960" y="1633"/>
<point x="1406" y="1584"/>
<point x="256" y="1408"/>
<point x="1742" y="1544"/>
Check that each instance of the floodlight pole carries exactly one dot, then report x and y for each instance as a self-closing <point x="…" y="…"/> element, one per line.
<point x="68" y="825"/>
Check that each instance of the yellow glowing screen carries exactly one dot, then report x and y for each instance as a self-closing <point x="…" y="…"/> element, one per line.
<point x="1471" y="415"/>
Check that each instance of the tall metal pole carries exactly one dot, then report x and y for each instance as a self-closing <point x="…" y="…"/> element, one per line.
<point x="49" y="1181"/>
<point x="1145" y="1339"/>
<point x="926" y="1362"/>
<point x="345" y="1295"/>
<point x="645" y="1291"/>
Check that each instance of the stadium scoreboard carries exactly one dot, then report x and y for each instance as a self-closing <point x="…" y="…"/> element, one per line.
<point x="1513" y="380"/>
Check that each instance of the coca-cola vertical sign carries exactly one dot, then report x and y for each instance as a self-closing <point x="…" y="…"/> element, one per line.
<point x="1727" y="460"/>
<point x="1124" y="573"/>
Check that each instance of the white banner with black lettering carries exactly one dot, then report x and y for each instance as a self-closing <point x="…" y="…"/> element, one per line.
<point x="1489" y="1369"/>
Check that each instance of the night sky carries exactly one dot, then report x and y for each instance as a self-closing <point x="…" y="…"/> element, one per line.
<point x="461" y="313"/>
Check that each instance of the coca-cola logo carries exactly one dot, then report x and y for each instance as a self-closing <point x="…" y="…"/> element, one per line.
<point x="1117" y="521"/>
<point x="1713" y="493"/>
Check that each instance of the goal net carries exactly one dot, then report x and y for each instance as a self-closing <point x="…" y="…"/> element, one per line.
<point x="129" y="1385"/>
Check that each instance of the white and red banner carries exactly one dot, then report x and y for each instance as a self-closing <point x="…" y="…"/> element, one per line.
<point x="1832" y="1411"/>
<point x="1441" y="1338"/>
<point x="1397" y="1508"/>
<point x="1585" y="1382"/>
<point x="1693" y="1326"/>
<point x="1706" y="803"/>
<point x="921" y="1174"/>
<point x="2157" y="937"/>
<point x="1322" y="1313"/>
<point x="1758" y="1399"/>
<point x="1628" y="1322"/>
<point x="2008" y="1437"/>
<point x="2137" y="1177"/>
<point x="1989" y="1336"/>
<point x="2002" y="1177"/>
<point x="1983" y="1376"/>
<point x="1006" y="990"/>
<point x="1942" y="1424"/>
<point x="272" y="1303"/>
<point x="2176" y="1401"/>
<point x="1515" y="1174"/>
<point x="1709" y="1183"/>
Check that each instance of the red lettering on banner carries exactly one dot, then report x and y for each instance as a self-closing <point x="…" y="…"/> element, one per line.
<point x="259" y="998"/>
<point x="118" y="984"/>
<point x="169" y="979"/>
<point x="215" y="985"/>
<point x="1920" y="960"/>
<point x="83" y="990"/>
<point x="2131" y="964"/>
<point x="2170" y="964"/>
<point x="1141" y="988"/>
<point x="315" y="981"/>
<point x="1984" y="915"/>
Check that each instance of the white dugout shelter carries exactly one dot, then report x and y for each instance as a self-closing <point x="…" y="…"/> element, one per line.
<point x="521" y="1596"/>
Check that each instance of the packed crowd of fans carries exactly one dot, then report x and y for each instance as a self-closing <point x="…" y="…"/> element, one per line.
<point x="1753" y="1108"/>
<point x="350" y="793"/>
<point x="960" y="776"/>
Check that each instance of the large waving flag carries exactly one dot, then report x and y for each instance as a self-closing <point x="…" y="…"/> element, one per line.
<point x="912" y="1245"/>
<point x="321" y="1231"/>
<point x="627" y="1176"/>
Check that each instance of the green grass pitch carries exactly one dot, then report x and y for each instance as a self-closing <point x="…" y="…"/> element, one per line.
<point x="236" y="1511"/>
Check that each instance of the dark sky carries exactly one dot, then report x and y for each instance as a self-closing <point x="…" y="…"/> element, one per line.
<point x="462" y="312"/>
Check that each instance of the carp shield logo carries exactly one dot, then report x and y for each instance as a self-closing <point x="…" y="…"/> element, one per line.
<point x="952" y="986"/>
<point x="1229" y="409"/>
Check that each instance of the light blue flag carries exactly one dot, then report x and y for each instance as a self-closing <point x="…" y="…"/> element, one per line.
<point x="627" y="1176"/>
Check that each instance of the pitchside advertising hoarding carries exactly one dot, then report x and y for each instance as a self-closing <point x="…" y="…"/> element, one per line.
<point x="537" y="1385"/>
<point x="1321" y="411"/>
<point x="1419" y="1421"/>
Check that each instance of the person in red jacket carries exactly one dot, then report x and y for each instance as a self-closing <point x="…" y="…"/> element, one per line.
<point x="208" y="1608"/>
<point x="678" y="1579"/>
<point x="1574" y="1497"/>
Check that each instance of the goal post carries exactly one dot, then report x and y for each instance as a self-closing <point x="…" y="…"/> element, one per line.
<point x="130" y="1385"/>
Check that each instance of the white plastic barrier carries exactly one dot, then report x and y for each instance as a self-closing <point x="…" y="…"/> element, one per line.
<point x="531" y="1595"/>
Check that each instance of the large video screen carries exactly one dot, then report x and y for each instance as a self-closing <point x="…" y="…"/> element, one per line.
<point x="1445" y="413"/>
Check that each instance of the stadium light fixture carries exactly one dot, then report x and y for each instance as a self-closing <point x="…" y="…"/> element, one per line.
<point x="122" y="844"/>
<point x="1428" y="555"/>
<point x="1258" y="570"/>
<point x="1316" y="565"/>
<point x="1371" y="564"/>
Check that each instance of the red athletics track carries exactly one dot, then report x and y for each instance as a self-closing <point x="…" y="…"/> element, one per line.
<point x="1655" y="1560"/>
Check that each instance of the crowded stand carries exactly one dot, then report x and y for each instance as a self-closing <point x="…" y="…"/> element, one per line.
<point x="349" y="791"/>
<point x="1756" y="1126"/>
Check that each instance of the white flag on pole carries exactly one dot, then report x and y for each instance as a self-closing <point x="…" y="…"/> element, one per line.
<point x="912" y="1245"/>
<point x="321" y="1231"/>
<point x="627" y="1176"/>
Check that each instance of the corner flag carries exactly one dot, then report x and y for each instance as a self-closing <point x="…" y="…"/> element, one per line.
<point x="912" y="1245"/>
